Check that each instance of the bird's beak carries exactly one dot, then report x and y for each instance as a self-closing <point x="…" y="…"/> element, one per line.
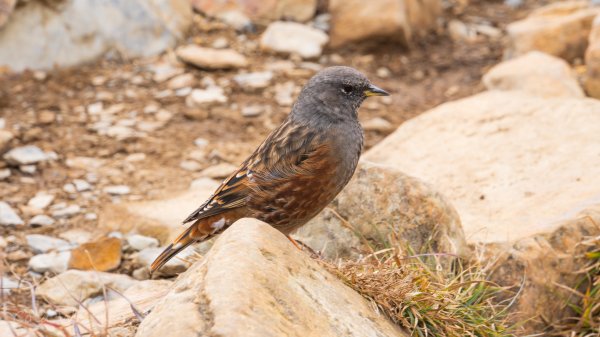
<point x="375" y="91"/>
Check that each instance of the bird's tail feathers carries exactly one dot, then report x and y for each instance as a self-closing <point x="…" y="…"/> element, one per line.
<point x="182" y="242"/>
<point x="201" y="230"/>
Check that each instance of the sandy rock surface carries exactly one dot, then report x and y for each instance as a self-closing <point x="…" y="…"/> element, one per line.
<point x="254" y="266"/>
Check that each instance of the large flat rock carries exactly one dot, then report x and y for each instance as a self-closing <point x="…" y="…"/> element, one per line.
<point x="514" y="165"/>
<point x="522" y="171"/>
<point x="254" y="282"/>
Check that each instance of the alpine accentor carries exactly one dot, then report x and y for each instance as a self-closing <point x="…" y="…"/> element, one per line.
<point x="297" y="170"/>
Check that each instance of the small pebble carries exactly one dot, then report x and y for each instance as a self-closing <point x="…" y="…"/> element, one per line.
<point x="41" y="220"/>
<point x="117" y="189"/>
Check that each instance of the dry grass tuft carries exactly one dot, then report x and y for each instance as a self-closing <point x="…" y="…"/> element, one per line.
<point x="585" y="301"/>
<point x="22" y="320"/>
<point x="429" y="294"/>
<point x="427" y="300"/>
<point x="28" y="320"/>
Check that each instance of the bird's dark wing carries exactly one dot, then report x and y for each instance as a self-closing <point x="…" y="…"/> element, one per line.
<point x="231" y="194"/>
<point x="274" y="158"/>
<point x="294" y="177"/>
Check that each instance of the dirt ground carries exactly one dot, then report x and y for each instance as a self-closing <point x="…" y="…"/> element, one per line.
<point x="432" y="71"/>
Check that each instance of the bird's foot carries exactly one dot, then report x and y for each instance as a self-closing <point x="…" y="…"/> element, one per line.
<point x="302" y="246"/>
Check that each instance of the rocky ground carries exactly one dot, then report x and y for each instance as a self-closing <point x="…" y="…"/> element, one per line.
<point x="85" y="148"/>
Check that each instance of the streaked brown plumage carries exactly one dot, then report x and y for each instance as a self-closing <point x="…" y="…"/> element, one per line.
<point x="297" y="170"/>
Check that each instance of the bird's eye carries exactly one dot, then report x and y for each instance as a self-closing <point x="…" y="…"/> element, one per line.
<point x="346" y="89"/>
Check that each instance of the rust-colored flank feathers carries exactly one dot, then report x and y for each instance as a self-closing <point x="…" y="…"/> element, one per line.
<point x="297" y="170"/>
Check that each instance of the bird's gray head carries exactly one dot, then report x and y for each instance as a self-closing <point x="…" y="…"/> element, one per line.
<point x="335" y="93"/>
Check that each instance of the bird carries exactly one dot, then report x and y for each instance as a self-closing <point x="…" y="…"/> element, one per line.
<point x="297" y="170"/>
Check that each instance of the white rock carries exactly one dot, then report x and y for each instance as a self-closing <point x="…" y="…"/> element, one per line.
<point x="66" y="212"/>
<point x="284" y="93"/>
<point x="378" y="124"/>
<point x="459" y="31"/>
<point x="208" y="82"/>
<point x="253" y="81"/>
<point x="208" y="58"/>
<point x="322" y="22"/>
<point x="141" y="242"/>
<point x="190" y="165"/>
<point x="151" y="108"/>
<point x="69" y="188"/>
<point x="43" y="243"/>
<point x="29" y="169"/>
<point x="181" y="81"/>
<point x="513" y="3"/>
<point x="41" y="220"/>
<point x="164" y="71"/>
<point x="81" y="185"/>
<point x="85" y="163"/>
<point x="8" y="217"/>
<point x="117" y="189"/>
<point x="41" y="200"/>
<point x="536" y="73"/>
<point x="487" y="30"/>
<point x="220" y="43"/>
<point x="183" y="92"/>
<point x="114" y="316"/>
<point x="253" y="110"/>
<point x="41" y="37"/>
<point x="6" y="284"/>
<point x="294" y="38"/>
<point x="115" y="234"/>
<point x="95" y="108"/>
<point x="4" y="173"/>
<point x="73" y="285"/>
<point x="54" y="262"/>
<point x="149" y="126"/>
<point x="237" y="20"/>
<point x="121" y="132"/>
<point x="24" y="155"/>
<point x="218" y="171"/>
<point x="76" y="236"/>
<point x="201" y="98"/>
<point x="136" y="157"/>
<point x="5" y="137"/>
<point x="200" y="142"/>
<point x="164" y="115"/>
<point x="383" y="72"/>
